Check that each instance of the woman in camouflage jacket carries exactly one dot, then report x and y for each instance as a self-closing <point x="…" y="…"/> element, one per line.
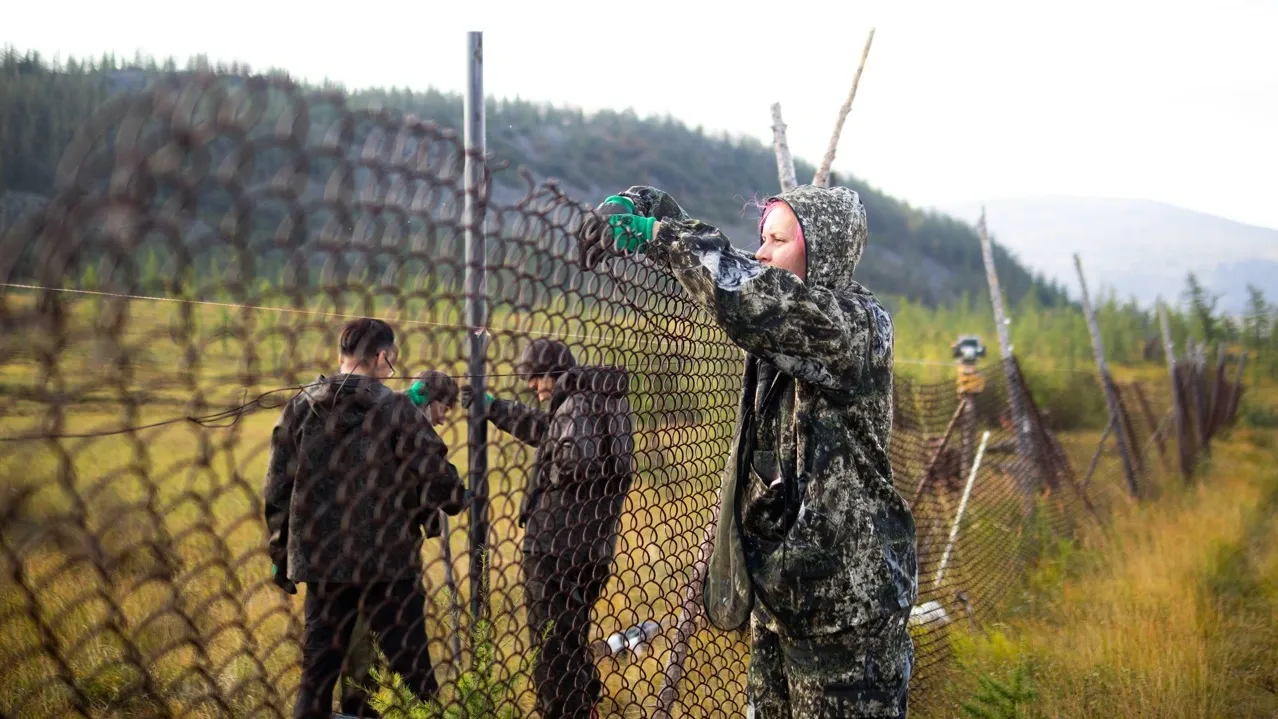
<point x="810" y="524"/>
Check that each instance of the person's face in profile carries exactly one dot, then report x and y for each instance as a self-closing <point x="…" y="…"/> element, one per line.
<point x="437" y="412"/>
<point x="542" y="385"/>
<point x="781" y="243"/>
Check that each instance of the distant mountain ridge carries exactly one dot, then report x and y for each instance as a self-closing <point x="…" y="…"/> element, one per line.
<point x="1140" y="248"/>
<point x="926" y="257"/>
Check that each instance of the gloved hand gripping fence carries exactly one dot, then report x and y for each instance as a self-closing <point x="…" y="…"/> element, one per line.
<point x="613" y="229"/>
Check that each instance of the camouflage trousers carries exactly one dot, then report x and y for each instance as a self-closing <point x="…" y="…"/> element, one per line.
<point x="847" y="675"/>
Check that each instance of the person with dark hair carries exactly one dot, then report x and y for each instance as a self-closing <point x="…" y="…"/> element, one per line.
<point x="810" y="524"/>
<point x="571" y="510"/>
<point x="355" y="473"/>
<point x="436" y="395"/>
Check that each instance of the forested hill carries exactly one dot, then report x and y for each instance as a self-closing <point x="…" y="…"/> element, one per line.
<point x="926" y="257"/>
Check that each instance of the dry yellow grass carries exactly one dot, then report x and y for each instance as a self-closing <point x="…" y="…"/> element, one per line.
<point x="142" y="554"/>
<point x="1172" y="613"/>
<point x="147" y="550"/>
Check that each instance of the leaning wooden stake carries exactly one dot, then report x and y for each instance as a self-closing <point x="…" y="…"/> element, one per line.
<point x="785" y="162"/>
<point x="958" y="516"/>
<point x="1107" y="383"/>
<point x="822" y="177"/>
<point x="1178" y="400"/>
<point x="1025" y="445"/>
<point x="1232" y="412"/>
<point x="1154" y="424"/>
<point x="1218" y="389"/>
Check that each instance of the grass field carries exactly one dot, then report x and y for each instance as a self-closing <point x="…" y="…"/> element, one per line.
<point x="1170" y="612"/>
<point x="145" y="550"/>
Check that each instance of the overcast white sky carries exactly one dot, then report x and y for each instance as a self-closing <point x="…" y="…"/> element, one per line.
<point x="1162" y="99"/>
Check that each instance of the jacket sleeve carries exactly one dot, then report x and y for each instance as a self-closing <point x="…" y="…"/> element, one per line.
<point x="278" y="492"/>
<point x="580" y="438"/>
<point x="527" y="424"/>
<point x="811" y="333"/>
<point x="651" y="202"/>
<point x="441" y="486"/>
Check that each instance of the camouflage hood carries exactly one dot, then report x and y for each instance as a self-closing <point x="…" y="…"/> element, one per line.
<point x="834" y="232"/>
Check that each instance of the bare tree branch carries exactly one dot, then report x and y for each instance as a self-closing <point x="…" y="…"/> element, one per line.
<point x="822" y="177"/>
<point x="785" y="163"/>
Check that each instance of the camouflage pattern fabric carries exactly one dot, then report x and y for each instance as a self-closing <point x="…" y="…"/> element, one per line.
<point x="829" y="677"/>
<point x="830" y="550"/>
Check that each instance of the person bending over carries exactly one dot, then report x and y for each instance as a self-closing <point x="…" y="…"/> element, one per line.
<point x="571" y="510"/>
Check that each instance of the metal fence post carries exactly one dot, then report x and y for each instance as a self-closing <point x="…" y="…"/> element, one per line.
<point x="477" y="317"/>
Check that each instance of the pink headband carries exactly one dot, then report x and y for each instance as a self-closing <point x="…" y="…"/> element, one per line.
<point x="767" y="210"/>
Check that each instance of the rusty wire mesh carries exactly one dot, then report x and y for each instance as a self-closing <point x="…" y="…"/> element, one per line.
<point x="208" y="241"/>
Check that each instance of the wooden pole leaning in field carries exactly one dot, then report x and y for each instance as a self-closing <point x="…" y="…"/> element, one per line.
<point x="1232" y="413"/>
<point x="1219" y="389"/>
<point x="785" y="161"/>
<point x="1129" y="430"/>
<point x="1197" y="361"/>
<point x="822" y="176"/>
<point x="1107" y="383"/>
<point x="936" y="454"/>
<point x="1178" y="400"/>
<point x="1100" y="447"/>
<point x="958" y="516"/>
<point x="1056" y="464"/>
<point x="1155" y="425"/>
<point x="1025" y="446"/>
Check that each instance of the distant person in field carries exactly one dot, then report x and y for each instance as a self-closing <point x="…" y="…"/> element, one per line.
<point x="355" y="473"/>
<point x="814" y="546"/>
<point x="436" y="395"/>
<point x="571" y="510"/>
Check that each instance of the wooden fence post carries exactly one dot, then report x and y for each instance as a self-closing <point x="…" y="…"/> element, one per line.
<point x="1238" y="380"/>
<point x="1178" y="398"/>
<point x="1198" y="362"/>
<point x="1154" y="425"/>
<point x="1107" y="383"/>
<point x="1218" y="399"/>
<point x="1025" y="445"/>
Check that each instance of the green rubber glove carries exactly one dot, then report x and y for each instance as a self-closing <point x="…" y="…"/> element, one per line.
<point x="631" y="233"/>
<point x="619" y="200"/>
<point x="418" y="394"/>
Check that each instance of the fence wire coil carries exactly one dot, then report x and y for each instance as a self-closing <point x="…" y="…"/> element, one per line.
<point x="136" y="576"/>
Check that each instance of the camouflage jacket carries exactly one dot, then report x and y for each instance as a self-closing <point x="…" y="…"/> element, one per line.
<point x="577" y="487"/>
<point x="831" y="545"/>
<point x="354" y="474"/>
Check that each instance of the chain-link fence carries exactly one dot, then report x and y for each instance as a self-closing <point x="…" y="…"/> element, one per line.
<point x="167" y="319"/>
